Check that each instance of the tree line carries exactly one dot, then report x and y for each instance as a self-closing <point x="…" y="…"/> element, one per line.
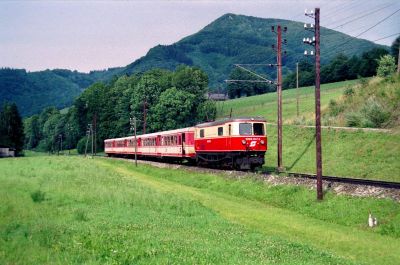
<point x="171" y="99"/>
<point x="11" y="128"/>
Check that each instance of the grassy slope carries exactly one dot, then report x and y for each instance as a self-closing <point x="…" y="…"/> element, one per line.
<point x="345" y="153"/>
<point x="370" y="155"/>
<point x="265" y="105"/>
<point x="107" y="212"/>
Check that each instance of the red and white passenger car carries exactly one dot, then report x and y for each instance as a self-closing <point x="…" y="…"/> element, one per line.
<point x="238" y="143"/>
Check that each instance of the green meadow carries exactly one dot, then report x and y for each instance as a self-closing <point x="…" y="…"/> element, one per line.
<point x="265" y="105"/>
<point x="72" y="210"/>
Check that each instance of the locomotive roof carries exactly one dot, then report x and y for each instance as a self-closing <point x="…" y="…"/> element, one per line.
<point x="223" y="121"/>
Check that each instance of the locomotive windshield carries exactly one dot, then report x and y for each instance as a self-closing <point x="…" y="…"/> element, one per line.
<point x="258" y="128"/>
<point x="245" y="129"/>
<point x="251" y="129"/>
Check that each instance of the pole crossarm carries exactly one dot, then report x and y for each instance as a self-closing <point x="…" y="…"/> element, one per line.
<point x="253" y="73"/>
<point x="256" y="64"/>
<point x="249" y="81"/>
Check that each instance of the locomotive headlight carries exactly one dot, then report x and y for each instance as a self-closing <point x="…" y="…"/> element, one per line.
<point x="262" y="142"/>
<point x="243" y="141"/>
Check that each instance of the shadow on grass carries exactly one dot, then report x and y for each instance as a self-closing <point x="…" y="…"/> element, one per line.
<point x="302" y="153"/>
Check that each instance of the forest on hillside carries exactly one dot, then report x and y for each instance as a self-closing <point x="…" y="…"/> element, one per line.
<point x="171" y="100"/>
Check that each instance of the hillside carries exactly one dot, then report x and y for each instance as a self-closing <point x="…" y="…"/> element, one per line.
<point x="373" y="104"/>
<point x="228" y="40"/>
<point x="33" y="91"/>
<point x="265" y="104"/>
<point x="242" y="39"/>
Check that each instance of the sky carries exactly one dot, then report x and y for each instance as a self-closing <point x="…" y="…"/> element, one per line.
<point x="96" y="35"/>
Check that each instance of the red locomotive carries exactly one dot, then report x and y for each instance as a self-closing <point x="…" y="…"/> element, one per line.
<point x="238" y="143"/>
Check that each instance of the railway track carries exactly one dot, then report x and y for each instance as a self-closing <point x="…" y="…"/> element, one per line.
<point x="339" y="185"/>
<point x="356" y="181"/>
<point x="344" y="180"/>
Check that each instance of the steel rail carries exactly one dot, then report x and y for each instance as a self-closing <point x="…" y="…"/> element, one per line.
<point x="355" y="181"/>
<point x="358" y="181"/>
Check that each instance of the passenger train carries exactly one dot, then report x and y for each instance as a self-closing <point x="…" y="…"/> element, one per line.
<point x="238" y="143"/>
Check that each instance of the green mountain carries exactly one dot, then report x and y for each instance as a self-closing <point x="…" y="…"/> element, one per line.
<point x="33" y="91"/>
<point x="233" y="39"/>
<point x="229" y="40"/>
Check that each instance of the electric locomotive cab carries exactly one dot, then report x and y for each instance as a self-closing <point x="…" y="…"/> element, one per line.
<point x="239" y="143"/>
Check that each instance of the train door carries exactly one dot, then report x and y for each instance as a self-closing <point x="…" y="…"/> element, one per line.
<point x="183" y="144"/>
<point x="157" y="147"/>
<point x="229" y="137"/>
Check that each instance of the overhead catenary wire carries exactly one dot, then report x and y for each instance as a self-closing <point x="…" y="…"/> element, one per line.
<point x="358" y="35"/>
<point x="362" y="16"/>
<point x="387" y="36"/>
<point x="340" y="8"/>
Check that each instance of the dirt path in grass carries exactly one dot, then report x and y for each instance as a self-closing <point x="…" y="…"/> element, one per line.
<point x="349" y="243"/>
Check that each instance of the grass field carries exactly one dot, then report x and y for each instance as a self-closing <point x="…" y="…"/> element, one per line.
<point x="71" y="210"/>
<point x="266" y="105"/>
<point x="372" y="155"/>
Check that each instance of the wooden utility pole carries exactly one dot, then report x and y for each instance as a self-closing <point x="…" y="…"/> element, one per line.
<point x="318" y="106"/>
<point x="94" y="132"/>
<point x="297" y="88"/>
<point x="279" y="92"/>
<point x="87" y="137"/>
<point x="315" y="41"/>
<point x="134" y="125"/>
<point x="91" y="131"/>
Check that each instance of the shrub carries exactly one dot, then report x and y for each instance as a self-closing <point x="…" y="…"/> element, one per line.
<point x="349" y="91"/>
<point x="38" y="196"/>
<point x="387" y="66"/>
<point x="81" y="146"/>
<point x="374" y="113"/>
<point x="353" y="119"/>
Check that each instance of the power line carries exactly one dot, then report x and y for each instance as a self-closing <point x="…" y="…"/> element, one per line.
<point x="358" y="35"/>
<point x="360" y="17"/>
<point x="335" y="11"/>
<point x="351" y="31"/>
<point x="387" y="36"/>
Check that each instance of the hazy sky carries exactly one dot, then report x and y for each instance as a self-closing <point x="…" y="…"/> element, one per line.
<point x="93" y="35"/>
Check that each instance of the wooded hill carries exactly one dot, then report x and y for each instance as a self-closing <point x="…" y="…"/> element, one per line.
<point x="228" y="40"/>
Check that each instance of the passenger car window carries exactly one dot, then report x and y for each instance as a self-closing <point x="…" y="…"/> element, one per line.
<point x="258" y="129"/>
<point x="245" y="128"/>
<point x="220" y="131"/>
<point x="202" y="133"/>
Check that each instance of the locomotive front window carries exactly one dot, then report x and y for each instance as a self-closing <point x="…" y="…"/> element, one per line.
<point x="258" y="129"/>
<point x="245" y="129"/>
